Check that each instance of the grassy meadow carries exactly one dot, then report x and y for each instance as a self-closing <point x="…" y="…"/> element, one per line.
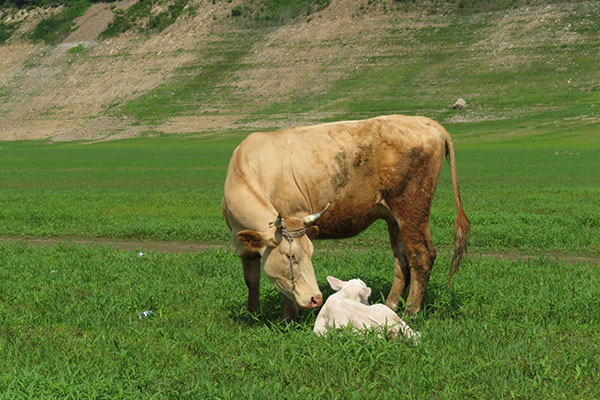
<point x="518" y="196"/>
<point x="71" y="330"/>
<point x="69" y="313"/>
<point x="521" y="320"/>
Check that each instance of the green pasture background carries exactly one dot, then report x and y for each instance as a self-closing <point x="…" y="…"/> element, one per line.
<point x="518" y="196"/>
<point x="70" y="329"/>
<point x="69" y="324"/>
<point x="528" y="158"/>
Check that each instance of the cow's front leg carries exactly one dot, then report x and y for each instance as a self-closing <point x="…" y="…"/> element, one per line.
<point x="290" y="310"/>
<point x="251" y="264"/>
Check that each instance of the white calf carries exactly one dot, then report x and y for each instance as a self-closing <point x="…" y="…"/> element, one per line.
<point x="350" y="307"/>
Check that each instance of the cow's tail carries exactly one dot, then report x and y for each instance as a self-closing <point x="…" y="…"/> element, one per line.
<point x="461" y="226"/>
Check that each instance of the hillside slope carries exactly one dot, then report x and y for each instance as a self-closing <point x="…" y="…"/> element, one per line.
<point x="535" y="65"/>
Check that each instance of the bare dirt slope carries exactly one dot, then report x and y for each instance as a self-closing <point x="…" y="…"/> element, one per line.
<point x="54" y="93"/>
<point x="51" y="92"/>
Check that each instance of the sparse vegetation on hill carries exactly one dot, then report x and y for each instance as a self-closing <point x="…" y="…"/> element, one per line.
<point x="246" y="65"/>
<point x="6" y="31"/>
<point x="146" y="16"/>
<point x="274" y="12"/>
<point x="29" y="4"/>
<point x="56" y="27"/>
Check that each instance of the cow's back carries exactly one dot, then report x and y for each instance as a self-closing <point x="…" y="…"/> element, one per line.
<point x="350" y="164"/>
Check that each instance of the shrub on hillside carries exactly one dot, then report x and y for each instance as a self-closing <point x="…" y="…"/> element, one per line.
<point x="140" y="17"/>
<point x="19" y="4"/>
<point x="56" y="27"/>
<point x="6" y="30"/>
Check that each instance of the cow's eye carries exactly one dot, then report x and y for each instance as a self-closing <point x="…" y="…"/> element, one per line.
<point x="291" y="257"/>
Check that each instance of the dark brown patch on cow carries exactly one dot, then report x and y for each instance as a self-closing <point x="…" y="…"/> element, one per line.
<point x="340" y="180"/>
<point x="363" y="156"/>
<point x="351" y="213"/>
<point x="413" y="168"/>
<point x="344" y="220"/>
<point x="252" y="240"/>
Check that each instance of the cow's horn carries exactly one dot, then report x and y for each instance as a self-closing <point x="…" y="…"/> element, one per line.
<point x="310" y="219"/>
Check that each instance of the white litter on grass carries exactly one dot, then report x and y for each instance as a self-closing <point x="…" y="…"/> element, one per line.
<point x="145" y="314"/>
<point x="140" y="254"/>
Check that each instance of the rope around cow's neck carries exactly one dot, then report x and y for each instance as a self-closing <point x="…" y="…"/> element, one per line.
<point x="295" y="233"/>
<point x="290" y="235"/>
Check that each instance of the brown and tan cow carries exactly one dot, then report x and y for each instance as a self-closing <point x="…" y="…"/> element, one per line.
<point x="380" y="168"/>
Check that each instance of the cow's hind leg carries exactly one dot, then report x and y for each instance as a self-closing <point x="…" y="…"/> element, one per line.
<point x="421" y="255"/>
<point x="251" y="264"/>
<point x="401" y="267"/>
<point x="413" y="221"/>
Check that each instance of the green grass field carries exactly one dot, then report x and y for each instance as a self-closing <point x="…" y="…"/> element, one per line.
<point x="69" y="313"/>
<point x="70" y="329"/>
<point x="520" y="321"/>
<point x="518" y="196"/>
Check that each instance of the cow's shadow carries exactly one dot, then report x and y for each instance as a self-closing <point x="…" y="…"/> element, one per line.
<point x="271" y="313"/>
<point x="440" y="300"/>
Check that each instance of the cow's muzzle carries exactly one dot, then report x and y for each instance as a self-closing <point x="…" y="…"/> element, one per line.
<point x="315" y="302"/>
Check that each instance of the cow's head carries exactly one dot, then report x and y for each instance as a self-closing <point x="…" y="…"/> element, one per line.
<point x="286" y="251"/>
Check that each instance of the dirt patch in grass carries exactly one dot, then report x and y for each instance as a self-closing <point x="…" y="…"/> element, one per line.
<point x="190" y="247"/>
<point x="124" y="244"/>
<point x="198" y="123"/>
<point x="527" y="256"/>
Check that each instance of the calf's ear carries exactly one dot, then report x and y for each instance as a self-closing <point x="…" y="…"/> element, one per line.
<point x="252" y="240"/>
<point x="335" y="283"/>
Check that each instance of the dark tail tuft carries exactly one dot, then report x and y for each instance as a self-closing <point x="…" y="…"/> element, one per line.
<point x="461" y="226"/>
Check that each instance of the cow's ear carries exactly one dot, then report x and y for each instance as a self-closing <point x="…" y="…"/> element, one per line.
<point x="312" y="232"/>
<point x="365" y="293"/>
<point x="335" y="283"/>
<point x="252" y="240"/>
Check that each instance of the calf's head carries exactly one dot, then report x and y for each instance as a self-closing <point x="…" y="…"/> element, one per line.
<point x="354" y="289"/>
<point x="286" y="253"/>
